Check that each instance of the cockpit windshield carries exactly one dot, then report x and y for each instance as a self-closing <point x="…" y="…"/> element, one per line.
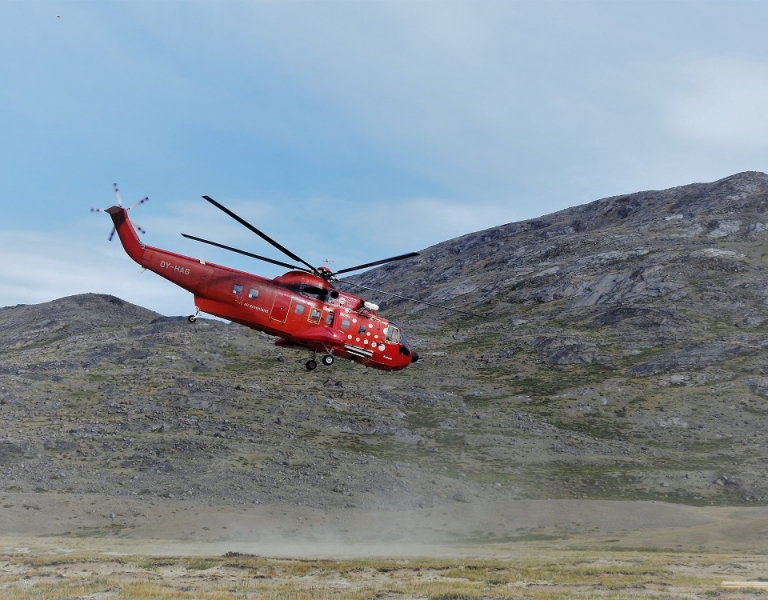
<point x="313" y="292"/>
<point x="392" y="334"/>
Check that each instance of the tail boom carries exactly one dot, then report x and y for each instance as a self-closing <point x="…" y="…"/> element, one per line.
<point x="204" y="280"/>
<point x="189" y="273"/>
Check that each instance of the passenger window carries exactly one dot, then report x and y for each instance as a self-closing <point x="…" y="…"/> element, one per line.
<point x="253" y="294"/>
<point x="237" y="289"/>
<point x="345" y="324"/>
<point x="361" y="330"/>
<point x="315" y="315"/>
<point x="299" y="309"/>
<point x="329" y="318"/>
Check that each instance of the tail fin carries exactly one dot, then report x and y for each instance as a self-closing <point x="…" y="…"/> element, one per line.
<point x="127" y="234"/>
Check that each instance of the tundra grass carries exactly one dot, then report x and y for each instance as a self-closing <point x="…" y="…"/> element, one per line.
<point x="538" y="573"/>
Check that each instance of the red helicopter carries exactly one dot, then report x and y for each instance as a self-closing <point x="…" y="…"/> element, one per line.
<point x="302" y="307"/>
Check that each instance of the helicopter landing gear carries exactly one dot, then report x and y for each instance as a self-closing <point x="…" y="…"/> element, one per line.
<point x="327" y="360"/>
<point x="193" y="318"/>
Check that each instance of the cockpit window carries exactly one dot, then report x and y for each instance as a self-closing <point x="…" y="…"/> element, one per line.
<point x="313" y="292"/>
<point x="392" y="334"/>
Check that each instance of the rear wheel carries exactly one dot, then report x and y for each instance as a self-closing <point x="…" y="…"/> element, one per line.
<point x="311" y="365"/>
<point x="327" y="360"/>
<point x="192" y="318"/>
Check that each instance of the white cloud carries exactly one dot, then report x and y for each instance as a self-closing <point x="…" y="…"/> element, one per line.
<point x="36" y="267"/>
<point x="198" y="217"/>
<point x="441" y="85"/>
<point x="723" y="104"/>
<point x="354" y="233"/>
<point x="428" y="221"/>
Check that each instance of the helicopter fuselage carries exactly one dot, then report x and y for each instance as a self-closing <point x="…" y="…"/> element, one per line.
<point x="302" y="309"/>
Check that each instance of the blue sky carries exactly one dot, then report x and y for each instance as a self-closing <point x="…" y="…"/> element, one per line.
<point x="350" y="131"/>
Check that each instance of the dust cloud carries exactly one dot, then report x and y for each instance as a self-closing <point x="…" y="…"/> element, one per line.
<point x="187" y="527"/>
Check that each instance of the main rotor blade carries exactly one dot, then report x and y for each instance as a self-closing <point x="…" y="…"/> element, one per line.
<point x="243" y="252"/>
<point x="464" y="312"/>
<point x="262" y="235"/>
<point x="378" y="262"/>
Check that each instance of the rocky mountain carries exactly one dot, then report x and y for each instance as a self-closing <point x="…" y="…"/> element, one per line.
<point x="621" y="355"/>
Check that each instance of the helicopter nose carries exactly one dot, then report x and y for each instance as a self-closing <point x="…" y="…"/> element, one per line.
<point x="414" y="356"/>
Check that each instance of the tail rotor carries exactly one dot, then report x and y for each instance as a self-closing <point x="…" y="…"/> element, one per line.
<point x="120" y="204"/>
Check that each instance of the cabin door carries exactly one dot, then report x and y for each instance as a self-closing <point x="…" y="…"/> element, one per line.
<point x="280" y="307"/>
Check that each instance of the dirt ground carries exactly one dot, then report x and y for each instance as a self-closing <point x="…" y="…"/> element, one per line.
<point x="188" y="527"/>
<point x="90" y="547"/>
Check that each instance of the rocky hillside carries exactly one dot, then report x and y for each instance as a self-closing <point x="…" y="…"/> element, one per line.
<point x="622" y="356"/>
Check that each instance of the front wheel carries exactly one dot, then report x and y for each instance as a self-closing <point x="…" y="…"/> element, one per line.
<point x="311" y="365"/>
<point x="328" y="360"/>
<point x="192" y="318"/>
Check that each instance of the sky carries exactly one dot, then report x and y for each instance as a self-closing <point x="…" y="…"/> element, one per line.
<point x="350" y="131"/>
